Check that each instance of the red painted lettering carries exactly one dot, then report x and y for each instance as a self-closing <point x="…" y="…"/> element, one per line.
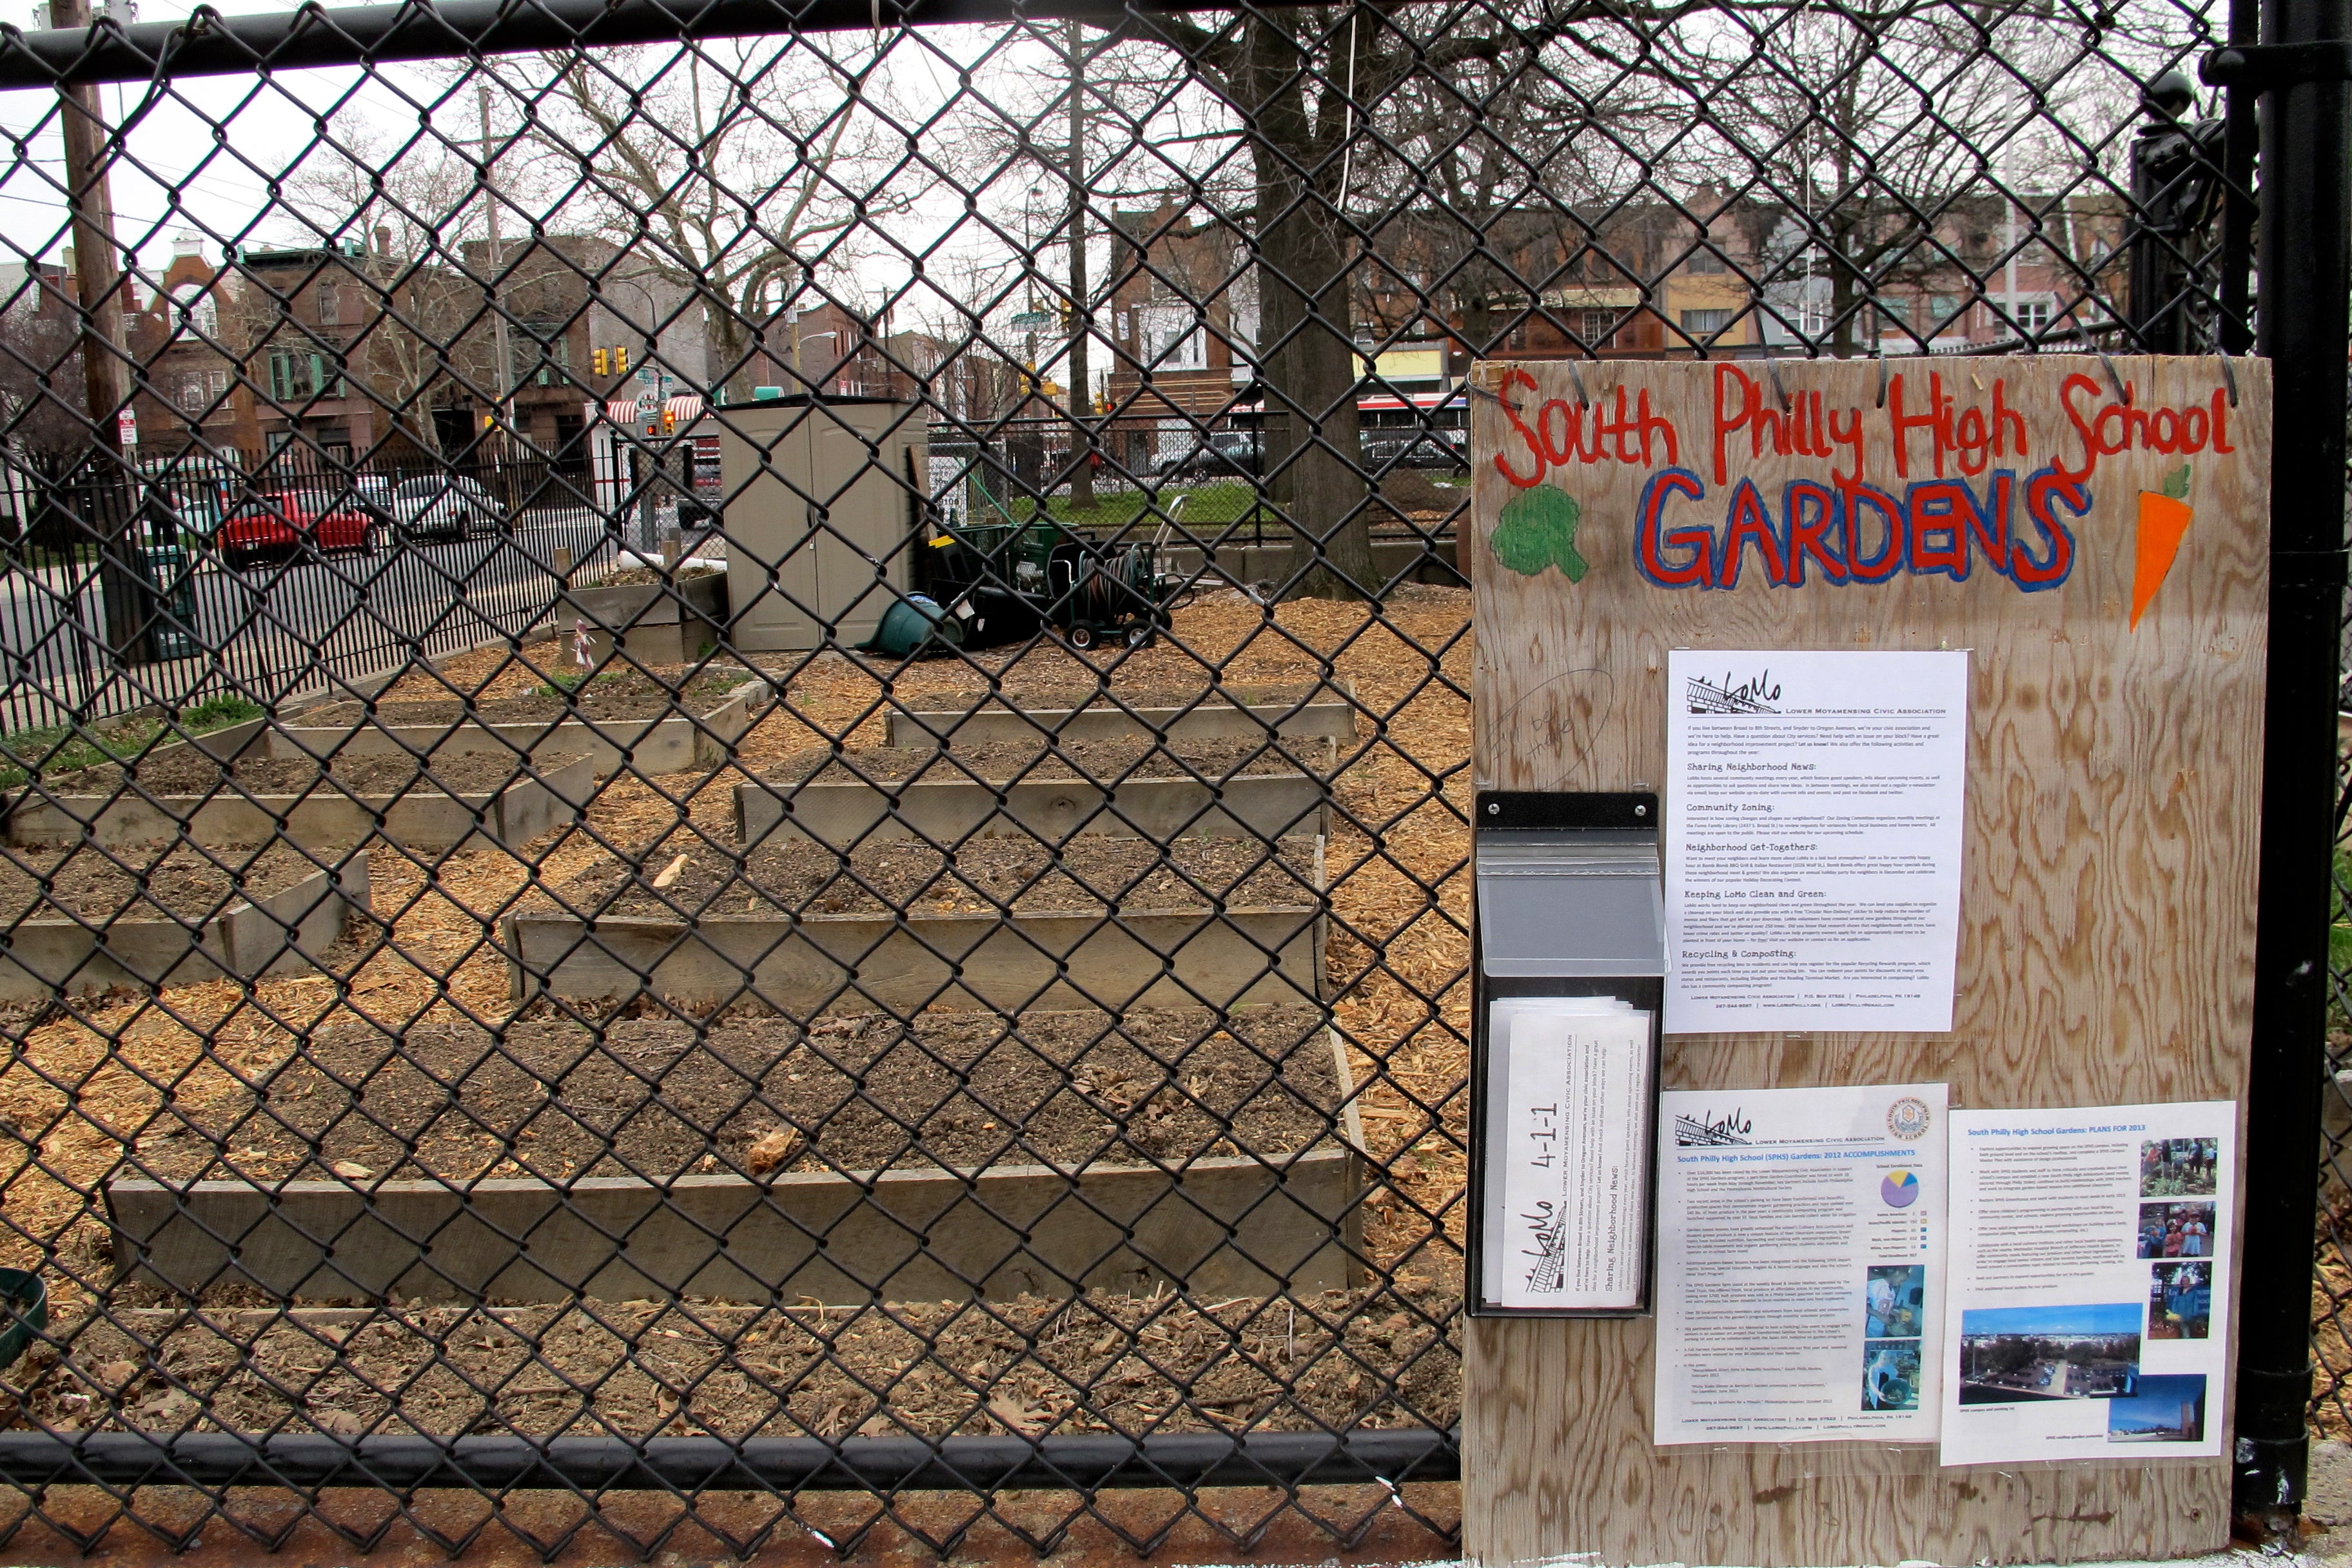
<point x="1726" y="375"/>
<point x="1516" y="377"/>
<point x="1813" y="512"/>
<point x="1750" y="525"/>
<point x="2044" y="487"/>
<point x="1850" y="439"/>
<point x="1651" y="541"/>
<point x="1902" y="423"/>
<point x="1888" y="560"/>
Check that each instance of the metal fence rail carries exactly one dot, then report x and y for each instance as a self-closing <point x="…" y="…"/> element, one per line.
<point x="970" y="1002"/>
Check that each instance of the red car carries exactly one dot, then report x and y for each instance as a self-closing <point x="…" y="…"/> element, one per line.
<point x="289" y="524"/>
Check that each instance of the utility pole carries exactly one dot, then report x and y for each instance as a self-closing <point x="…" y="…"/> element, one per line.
<point x="1082" y="319"/>
<point x="102" y="499"/>
<point x="498" y="260"/>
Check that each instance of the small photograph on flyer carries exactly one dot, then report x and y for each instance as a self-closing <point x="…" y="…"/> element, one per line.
<point x="2179" y="1301"/>
<point x="2176" y="1230"/>
<point x="2164" y="1409"/>
<point x="2179" y="1167"/>
<point x="1890" y="1374"/>
<point x="2020" y="1355"/>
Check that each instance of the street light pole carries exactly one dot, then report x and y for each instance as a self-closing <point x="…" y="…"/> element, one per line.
<point x="1082" y="440"/>
<point x="490" y="209"/>
<point x="99" y="284"/>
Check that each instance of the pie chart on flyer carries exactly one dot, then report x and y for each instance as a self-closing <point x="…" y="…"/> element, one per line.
<point x="1900" y="1189"/>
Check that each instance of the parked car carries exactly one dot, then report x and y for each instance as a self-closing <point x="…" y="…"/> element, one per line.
<point x="1414" y="451"/>
<point x="372" y="492"/>
<point x="443" y="506"/>
<point x="1227" y="454"/>
<point x="290" y="524"/>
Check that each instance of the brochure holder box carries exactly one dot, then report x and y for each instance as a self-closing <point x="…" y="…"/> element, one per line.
<point x="1570" y="904"/>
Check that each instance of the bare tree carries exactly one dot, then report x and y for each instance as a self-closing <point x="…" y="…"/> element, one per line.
<point x="1876" y="132"/>
<point x="41" y="372"/>
<point x="402" y="210"/>
<point x="734" y="171"/>
<point x="1306" y="86"/>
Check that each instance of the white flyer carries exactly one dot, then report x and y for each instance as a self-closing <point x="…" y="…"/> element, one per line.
<point x="1800" y="1259"/>
<point x="2088" y="1314"/>
<point x="1813" y="815"/>
<point x="1567" y="1163"/>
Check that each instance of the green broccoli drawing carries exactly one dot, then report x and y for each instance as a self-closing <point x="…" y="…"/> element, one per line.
<point x="1538" y="529"/>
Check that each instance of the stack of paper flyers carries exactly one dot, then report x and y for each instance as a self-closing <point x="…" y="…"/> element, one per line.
<point x="1569" y="1185"/>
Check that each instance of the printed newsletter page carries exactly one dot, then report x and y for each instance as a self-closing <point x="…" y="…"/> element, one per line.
<point x="2090" y="1269"/>
<point x="1813" y="819"/>
<point x="1568" y="1172"/>
<point x="1801" y="1256"/>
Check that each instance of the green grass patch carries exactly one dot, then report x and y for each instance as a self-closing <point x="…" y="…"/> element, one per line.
<point x="1200" y="509"/>
<point x="63" y="748"/>
<point x="217" y="713"/>
<point x="563" y="682"/>
<point x="1204" y="506"/>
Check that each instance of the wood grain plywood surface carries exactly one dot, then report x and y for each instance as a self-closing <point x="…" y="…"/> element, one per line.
<point x="2106" y="919"/>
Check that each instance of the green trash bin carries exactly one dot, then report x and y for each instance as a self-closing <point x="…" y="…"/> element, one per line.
<point x="171" y="575"/>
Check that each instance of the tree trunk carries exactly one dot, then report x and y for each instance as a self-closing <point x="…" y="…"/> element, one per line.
<point x="1305" y="336"/>
<point x="1841" y="299"/>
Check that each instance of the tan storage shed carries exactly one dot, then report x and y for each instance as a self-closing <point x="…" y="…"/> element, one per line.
<point x="822" y="498"/>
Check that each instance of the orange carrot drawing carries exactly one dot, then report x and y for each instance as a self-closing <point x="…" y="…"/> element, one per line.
<point x="2163" y="518"/>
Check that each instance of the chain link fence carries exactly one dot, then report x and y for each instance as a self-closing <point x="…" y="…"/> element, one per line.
<point x="739" y="739"/>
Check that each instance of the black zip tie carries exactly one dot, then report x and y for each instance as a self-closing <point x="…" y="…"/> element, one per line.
<point x="2113" y="379"/>
<point x="1882" y="380"/>
<point x="1582" y="401"/>
<point x="1489" y="394"/>
<point x="2228" y="372"/>
<point x="1772" y="369"/>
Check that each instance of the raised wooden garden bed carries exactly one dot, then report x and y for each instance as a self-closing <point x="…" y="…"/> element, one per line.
<point x="1009" y="924"/>
<point x="961" y="719"/>
<point x="181" y="792"/>
<point x="614" y="719"/>
<point x="1033" y="1155"/>
<point x="87" y="920"/>
<point x="647" y="620"/>
<point x="1128" y="788"/>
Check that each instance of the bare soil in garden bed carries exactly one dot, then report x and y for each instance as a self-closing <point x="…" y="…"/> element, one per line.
<point x="1002" y="762"/>
<point x="640" y="576"/>
<point x="1100" y="1362"/>
<point x="660" y="1097"/>
<point x="1048" y="699"/>
<point x="188" y="771"/>
<point x="603" y="698"/>
<point x="85" y="1079"/>
<point x="1090" y="873"/>
<point x="143" y="884"/>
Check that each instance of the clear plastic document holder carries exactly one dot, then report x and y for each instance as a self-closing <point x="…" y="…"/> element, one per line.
<point x="1568" y="962"/>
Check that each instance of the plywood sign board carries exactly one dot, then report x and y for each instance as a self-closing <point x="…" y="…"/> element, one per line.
<point x="2094" y="532"/>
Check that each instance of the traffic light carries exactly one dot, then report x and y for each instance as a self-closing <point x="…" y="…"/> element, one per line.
<point x="602" y="360"/>
<point x="669" y="421"/>
<point x="620" y="361"/>
<point x="489" y="421"/>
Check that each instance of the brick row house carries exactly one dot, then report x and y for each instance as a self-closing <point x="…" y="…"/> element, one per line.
<point x="1710" y="275"/>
